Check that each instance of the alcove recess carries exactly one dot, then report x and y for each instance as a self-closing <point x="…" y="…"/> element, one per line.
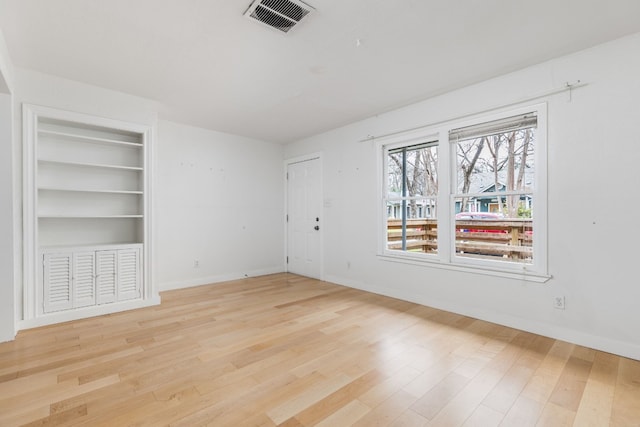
<point x="87" y="215"/>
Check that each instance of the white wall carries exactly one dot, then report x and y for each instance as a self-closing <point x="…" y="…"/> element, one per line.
<point x="8" y="208"/>
<point x="50" y="91"/>
<point x="7" y="316"/>
<point x="219" y="200"/>
<point x="6" y="67"/>
<point x="594" y="146"/>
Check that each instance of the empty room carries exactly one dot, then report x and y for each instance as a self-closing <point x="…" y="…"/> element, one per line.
<point x="319" y="213"/>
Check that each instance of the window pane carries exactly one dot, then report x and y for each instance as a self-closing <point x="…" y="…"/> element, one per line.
<point x="492" y="235"/>
<point x="419" y="233"/>
<point x="495" y="163"/>
<point x="412" y="171"/>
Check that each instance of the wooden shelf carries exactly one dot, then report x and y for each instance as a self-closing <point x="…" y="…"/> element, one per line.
<point x="90" y="165"/>
<point x="86" y="138"/>
<point x="84" y="190"/>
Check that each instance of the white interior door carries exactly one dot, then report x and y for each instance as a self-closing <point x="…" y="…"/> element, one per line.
<point x="304" y="221"/>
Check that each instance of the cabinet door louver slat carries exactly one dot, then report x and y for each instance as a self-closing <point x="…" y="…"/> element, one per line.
<point x="106" y="284"/>
<point x="128" y="274"/>
<point x="58" y="294"/>
<point x="84" y="279"/>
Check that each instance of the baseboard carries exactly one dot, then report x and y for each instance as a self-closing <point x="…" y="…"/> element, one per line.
<point x="596" y="342"/>
<point x="181" y="284"/>
<point x="86" y="312"/>
<point x="7" y="337"/>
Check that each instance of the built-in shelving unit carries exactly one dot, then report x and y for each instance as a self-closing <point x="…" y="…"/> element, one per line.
<point x="88" y="182"/>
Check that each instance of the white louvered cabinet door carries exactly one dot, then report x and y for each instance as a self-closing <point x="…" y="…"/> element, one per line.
<point x="128" y="274"/>
<point x="106" y="279"/>
<point x="58" y="284"/>
<point x="84" y="281"/>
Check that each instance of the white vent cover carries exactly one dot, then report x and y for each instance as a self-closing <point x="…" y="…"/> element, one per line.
<point x="282" y="15"/>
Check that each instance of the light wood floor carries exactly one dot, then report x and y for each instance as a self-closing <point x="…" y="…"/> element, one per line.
<point x="286" y="350"/>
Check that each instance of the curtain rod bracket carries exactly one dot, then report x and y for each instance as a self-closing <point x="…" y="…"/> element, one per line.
<point x="570" y="86"/>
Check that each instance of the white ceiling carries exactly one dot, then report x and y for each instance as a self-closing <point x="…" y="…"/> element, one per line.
<point x="209" y="66"/>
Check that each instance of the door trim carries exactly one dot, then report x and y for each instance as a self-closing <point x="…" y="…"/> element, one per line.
<point x="291" y="161"/>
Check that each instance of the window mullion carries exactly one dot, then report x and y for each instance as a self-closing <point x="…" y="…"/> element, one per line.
<point x="445" y="227"/>
<point x="404" y="198"/>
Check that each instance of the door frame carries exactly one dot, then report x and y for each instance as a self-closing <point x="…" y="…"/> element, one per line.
<point x="287" y="162"/>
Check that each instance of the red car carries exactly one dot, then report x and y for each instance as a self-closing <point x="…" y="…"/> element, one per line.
<point x="483" y="216"/>
<point x="479" y="215"/>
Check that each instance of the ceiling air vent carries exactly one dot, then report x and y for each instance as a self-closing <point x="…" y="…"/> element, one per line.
<point x="282" y="15"/>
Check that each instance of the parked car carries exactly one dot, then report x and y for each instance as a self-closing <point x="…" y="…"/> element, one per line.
<point x="483" y="216"/>
<point x="479" y="215"/>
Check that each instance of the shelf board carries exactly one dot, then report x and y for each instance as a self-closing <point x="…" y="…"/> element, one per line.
<point x="61" y="216"/>
<point x="90" y="165"/>
<point x="84" y="190"/>
<point x="96" y="245"/>
<point x="93" y="139"/>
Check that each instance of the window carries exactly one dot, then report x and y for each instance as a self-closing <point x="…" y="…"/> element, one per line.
<point x="493" y="195"/>
<point x="411" y="197"/>
<point x="489" y="211"/>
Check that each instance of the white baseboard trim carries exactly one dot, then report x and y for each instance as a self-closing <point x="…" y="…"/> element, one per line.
<point x="86" y="312"/>
<point x="181" y="284"/>
<point x="7" y="337"/>
<point x="596" y="342"/>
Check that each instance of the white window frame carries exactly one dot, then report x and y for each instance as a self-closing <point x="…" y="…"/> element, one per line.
<point x="446" y="257"/>
<point x="433" y="138"/>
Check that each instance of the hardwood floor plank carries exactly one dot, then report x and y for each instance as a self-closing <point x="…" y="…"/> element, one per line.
<point x="597" y="400"/>
<point x="339" y="399"/>
<point x="60" y="417"/>
<point x="410" y="418"/>
<point x="44" y="397"/>
<point x="517" y="376"/>
<point x="379" y="393"/>
<point x="626" y="410"/>
<point x="437" y="398"/>
<point x="556" y="416"/>
<point x="570" y="386"/>
<point x="524" y="412"/>
<point x="484" y="416"/>
<point x="292" y="351"/>
<point x="346" y="415"/>
<point x="544" y="380"/>
<point x="462" y="406"/>
<point x="307" y="398"/>
<point x="388" y="411"/>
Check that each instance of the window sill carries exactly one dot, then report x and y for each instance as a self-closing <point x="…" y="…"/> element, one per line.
<point x="523" y="274"/>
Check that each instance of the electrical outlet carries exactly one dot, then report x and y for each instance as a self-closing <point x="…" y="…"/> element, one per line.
<point x="196" y="263"/>
<point x="558" y="302"/>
